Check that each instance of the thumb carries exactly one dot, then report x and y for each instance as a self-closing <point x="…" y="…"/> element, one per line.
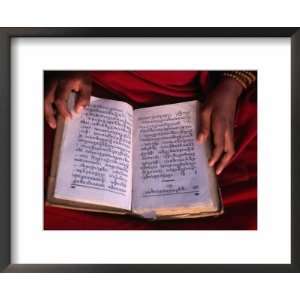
<point x="83" y="98"/>
<point x="205" y="120"/>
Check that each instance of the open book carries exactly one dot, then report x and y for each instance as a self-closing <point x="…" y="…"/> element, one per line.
<point x="147" y="162"/>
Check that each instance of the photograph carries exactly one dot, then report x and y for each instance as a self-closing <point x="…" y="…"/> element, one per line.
<point x="150" y="149"/>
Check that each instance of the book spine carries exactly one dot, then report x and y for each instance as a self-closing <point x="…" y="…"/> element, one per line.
<point x="55" y="158"/>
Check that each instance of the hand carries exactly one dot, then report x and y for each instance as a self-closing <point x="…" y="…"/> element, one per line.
<point x="217" y="118"/>
<point x="58" y="89"/>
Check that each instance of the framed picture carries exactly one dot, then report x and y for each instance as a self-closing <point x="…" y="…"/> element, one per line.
<point x="149" y="149"/>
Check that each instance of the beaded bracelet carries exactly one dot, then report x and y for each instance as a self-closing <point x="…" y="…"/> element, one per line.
<point x="238" y="79"/>
<point x="245" y="78"/>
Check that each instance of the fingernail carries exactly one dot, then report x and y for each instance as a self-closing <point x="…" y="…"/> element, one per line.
<point x="52" y="125"/>
<point x="79" y="109"/>
<point x="200" y="139"/>
<point x="211" y="163"/>
<point x="218" y="172"/>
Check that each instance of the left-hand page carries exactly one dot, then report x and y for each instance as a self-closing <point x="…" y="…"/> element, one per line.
<point x="95" y="164"/>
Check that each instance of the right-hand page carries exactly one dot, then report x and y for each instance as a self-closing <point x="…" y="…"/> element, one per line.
<point x="170" y="168"/>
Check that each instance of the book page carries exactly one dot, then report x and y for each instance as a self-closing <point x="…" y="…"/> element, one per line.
<point x="95" y="156"/>
<point x="170" y="167"/>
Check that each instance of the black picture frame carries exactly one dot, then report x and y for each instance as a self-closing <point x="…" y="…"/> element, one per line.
<point x="6" y="34"/>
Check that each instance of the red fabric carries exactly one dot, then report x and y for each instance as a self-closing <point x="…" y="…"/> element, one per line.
<point x="238" y="181"/>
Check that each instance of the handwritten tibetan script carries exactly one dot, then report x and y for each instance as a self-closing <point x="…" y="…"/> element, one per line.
<point x="167" y="152"/>
<point x="103" y="149"/>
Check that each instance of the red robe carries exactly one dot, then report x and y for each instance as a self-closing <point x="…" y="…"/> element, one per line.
<point x="238" y="181"/>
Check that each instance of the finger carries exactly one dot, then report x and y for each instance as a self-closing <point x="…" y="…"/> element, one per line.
<point x="205" y="120"/>
<point x="216" y="154"/>
<point x="50" y="89"/>
<point x="218" y="132"/>
<point x="61" y="99"/>
<point x="49" y="115"/>
<point x="229" y="152"/>
<point x="223" y="162"/>
<point x="83" y="97"/>
<point x="49" y="99"/>
<point x="62" y="108"/>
